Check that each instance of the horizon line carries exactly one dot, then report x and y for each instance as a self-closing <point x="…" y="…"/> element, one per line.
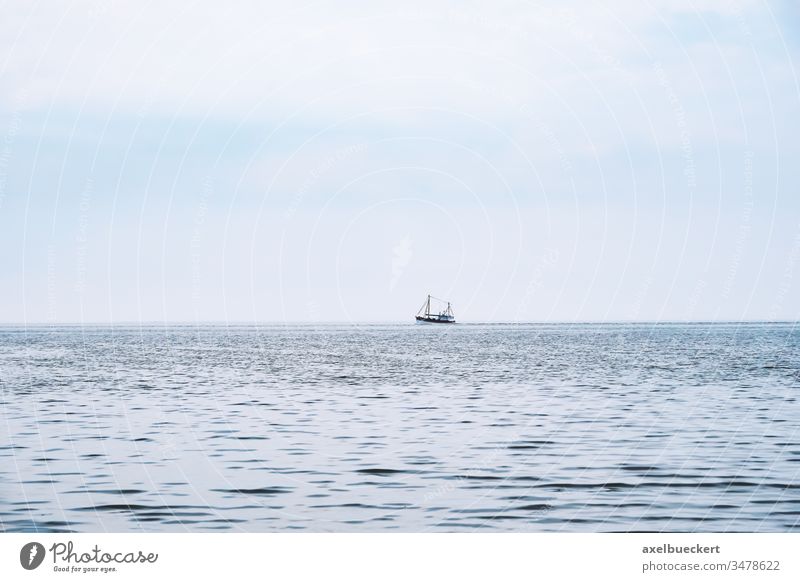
<point x="218" y="322"/>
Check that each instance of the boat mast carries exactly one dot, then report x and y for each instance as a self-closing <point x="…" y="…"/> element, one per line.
<point x="428" y="308"/>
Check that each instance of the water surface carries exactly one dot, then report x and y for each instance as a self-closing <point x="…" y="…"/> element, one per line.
<point x="400" y="428"/>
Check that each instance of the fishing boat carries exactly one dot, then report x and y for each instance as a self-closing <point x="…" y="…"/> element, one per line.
<point x="424" y="315"/>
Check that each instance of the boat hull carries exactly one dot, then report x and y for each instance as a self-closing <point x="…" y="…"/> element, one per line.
<point x="422" y="319"/>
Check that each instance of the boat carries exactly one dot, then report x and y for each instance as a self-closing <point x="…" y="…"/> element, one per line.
<point x="424" y="315"/>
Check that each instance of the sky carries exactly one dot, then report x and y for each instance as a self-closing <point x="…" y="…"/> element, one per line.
<point x="312" y="161"/>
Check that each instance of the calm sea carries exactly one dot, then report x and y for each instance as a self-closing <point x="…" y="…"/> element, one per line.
<point x="374" y="428"/>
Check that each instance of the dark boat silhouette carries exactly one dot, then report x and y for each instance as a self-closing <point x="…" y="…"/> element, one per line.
<point x="424" y="314"/>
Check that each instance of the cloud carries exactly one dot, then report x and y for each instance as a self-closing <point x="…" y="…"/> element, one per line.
<point x="270" y="57"/>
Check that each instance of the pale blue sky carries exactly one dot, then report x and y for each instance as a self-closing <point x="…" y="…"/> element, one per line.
<point x="247" y="162"/>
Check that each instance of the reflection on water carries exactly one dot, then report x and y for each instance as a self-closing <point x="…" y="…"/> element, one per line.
<point x="400" y="428"/>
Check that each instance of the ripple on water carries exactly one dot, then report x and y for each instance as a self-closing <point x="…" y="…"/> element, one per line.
<point x="268" y="491"/>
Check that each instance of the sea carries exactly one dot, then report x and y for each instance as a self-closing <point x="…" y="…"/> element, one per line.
<point x="664" y="427"/>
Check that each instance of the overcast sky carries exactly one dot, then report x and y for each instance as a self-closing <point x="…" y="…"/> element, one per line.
<point x="199" y="161"/>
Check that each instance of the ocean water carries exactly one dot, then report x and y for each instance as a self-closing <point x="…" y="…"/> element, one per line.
<point x="376" y="428"/>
